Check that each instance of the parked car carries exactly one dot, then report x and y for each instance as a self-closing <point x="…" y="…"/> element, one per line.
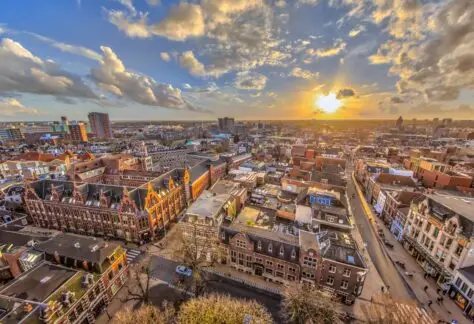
<point x="388" y="244"/>
<point x="184" y="271"/>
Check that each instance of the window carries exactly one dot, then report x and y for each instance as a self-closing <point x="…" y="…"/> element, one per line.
<point x="458" y="282"/>
<point x="436" y="232"/>
<point x="464" y="288"/>
<point x="269" y="271"/>
<point x="332" y="269"/>
<point x="459" y="250"/>
<point x="258" y="260"/>
<point x="448" y="243"/>
<point x="330" y="281"/>
<point x="270" y="263"/>
<point x="347" y="273"/>
<point x="428" y="227"/>
<point x="282" y="251"/>
<point x="280" y="266"/>
<point x="270" y="248"/>
<point x="293" y="254"/>
<point x="291" y="278"/>
<point x="222" y="235"/>
<point x="344" y="284"/>
<point x="279" y="274"/>
<point x="259" y="245"/>
<point x="241" y="244"/>
<point x="291" y="269"/>
<point x="470" y="293"/>
<point x="452" y="265"/>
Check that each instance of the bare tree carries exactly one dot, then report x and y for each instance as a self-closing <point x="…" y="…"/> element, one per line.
<point x="222" y="309"/>
<point x="146" y="314"/>
<point x="385" y="310"/>
<point x="199" y="249"/>
<point x="138" y="285"/>
<point x="309" y="305"/>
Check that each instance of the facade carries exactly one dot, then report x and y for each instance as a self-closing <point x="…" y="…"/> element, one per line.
<point x="169" y="159"/>
<point x="11" y="134"/>
<point x="439" y="232"/>
<point x="462" y="290"/>
<point x="100" y="125"/>
<point x="53" y="293"/>
<point x="226" y="124"/>
<point x="132" y="214"/>
<point x="78" y="132"/>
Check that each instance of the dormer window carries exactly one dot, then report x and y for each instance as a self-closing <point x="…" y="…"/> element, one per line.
<point x="282" y="251"/>
<point x="259" y="245"/>
<point x="293" y="254"/>
<point x="222" y="235"/>
<point x="270" y="248"/>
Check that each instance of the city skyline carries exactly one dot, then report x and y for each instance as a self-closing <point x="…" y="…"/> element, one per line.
<point x="267" y="60"/>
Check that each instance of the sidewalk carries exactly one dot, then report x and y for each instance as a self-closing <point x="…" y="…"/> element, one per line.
<point x="448" y="309"/>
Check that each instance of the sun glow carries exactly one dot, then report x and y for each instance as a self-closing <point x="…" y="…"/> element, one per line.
<point x="328" y="103"/>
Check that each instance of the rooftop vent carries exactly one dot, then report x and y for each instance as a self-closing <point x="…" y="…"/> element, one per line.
<point x="77" y="245"/>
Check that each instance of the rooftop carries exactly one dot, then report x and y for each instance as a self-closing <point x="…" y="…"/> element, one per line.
<point x="39" y="283"/>
<point x="208" y="204"/>
<point x="461" y="205"/>
<point x="79" y="247"/>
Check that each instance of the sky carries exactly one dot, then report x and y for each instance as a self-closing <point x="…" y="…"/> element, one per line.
<point x="250" y="59"/>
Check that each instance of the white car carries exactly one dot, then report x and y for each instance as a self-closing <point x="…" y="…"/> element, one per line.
<point x="185" y="271"/>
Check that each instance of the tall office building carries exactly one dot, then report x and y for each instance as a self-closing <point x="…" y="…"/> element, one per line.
<point x="100" y="124"/>
<point x="226" y="124"/>
<point x="77" y="132"/>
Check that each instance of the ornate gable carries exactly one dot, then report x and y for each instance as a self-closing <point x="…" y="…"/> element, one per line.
<point x="77" y="194"/>
<point x="54" y="193"/>
<point x="152" y="198"/>
<point x="30" y="193"/>
<point x="127" y="205"/>
<point x="186" y="176"/>
<point x="171" y="184"/>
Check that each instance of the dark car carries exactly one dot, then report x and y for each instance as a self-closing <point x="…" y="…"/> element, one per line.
<point x="387" y="243"/>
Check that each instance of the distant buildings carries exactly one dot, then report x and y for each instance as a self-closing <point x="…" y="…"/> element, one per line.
<point x="226" y="124"/>
<point x="11" y="134"/>
<point x="100" y="125"/>
<point x="78" y="132"/>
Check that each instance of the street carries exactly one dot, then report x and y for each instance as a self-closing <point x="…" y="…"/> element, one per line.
<point x="389" y="274"/>
<point x="163" y="270"/>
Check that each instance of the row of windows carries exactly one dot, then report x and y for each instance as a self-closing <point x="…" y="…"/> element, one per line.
<point x="464" y="287"/>
<point x="332" y="269"/>
<point x="344" y="283"/>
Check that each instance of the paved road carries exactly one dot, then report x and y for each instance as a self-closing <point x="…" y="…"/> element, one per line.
<point x="164" y="269"/>
<point x="382" y="262"/>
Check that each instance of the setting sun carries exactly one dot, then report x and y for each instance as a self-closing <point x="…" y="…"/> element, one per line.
<point x="328" y="103"/>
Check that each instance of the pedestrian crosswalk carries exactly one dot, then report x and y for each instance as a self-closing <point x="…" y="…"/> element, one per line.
<point x="404" y="313"/>
<point x="132" y="255"/>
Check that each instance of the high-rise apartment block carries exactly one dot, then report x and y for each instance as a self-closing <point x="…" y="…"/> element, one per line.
<point x="77" y="132"/>
<point x="100" y="124"/>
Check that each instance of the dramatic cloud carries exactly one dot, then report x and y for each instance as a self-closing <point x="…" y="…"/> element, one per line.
<point x="298" y="72"/>
<point x="345" y="93"/>
<point x="235" y="35"/>
<point x="184" y="21"/>
<point x="12" y="107"/>
<point x="23" y="72"/>
<point x="188" y="61"/>
<point x="250" y="81"/>
<point x="113" y="77"/>
<point x="165" y="56"/>
<point x="334" y="50"/>
<point x="68" y="48"/>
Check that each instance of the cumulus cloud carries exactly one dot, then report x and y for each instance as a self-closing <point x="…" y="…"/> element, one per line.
<point x="165" y="56"/>
<point x="112" y="76"/>
<point x="250" y="81"/>
<point x="13" y="107"/>
<point x="183" y="22"/>
<point x="128" y="4"/>
<point x="298" y="72"/>
<point x="438" y="66"/>
<point x="133" y="26"/>
<point x="23" y="72"/>
<point x="236" y="34"/>
<point x="345" y="93"/>
<point x="188" y="61"/>
<point x="334" y="50"/>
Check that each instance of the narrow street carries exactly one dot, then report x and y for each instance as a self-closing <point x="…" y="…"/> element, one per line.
<point x="389" y="274"/>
